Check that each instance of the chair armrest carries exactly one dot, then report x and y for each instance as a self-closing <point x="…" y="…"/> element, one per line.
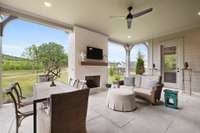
<point x="156" y="91"/>
<point x="154" y="88"/>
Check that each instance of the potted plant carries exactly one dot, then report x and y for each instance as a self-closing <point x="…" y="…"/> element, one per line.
<point x="140" y="65"/>
<point x="116" y="80"/>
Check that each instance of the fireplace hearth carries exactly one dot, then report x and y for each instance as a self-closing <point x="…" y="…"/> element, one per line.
<point x="93" y="81"/>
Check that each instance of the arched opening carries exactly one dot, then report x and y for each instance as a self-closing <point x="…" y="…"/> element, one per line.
<point x="116" y="59"/>
<point x="139" y="50"/>
<point x="19" y="36"/>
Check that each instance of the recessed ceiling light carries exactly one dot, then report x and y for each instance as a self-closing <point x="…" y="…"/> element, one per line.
<point x="47" y="4"/>
<point x="129" y="37"/>
<point x="199" y="13"/>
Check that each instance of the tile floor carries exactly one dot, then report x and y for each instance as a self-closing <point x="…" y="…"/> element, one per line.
<point x="146" y="119"/>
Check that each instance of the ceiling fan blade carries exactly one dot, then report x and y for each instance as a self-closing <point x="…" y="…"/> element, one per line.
<point x="142" y="12"/>
<point x="117" y="17"/>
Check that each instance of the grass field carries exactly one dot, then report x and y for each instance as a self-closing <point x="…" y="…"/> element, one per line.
<point x="112" y="78"/>
<point x="26" y="78"/>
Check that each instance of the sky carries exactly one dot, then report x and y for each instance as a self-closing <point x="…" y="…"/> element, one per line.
<point x="117" y="53"/>
<point x="19" y="35"/>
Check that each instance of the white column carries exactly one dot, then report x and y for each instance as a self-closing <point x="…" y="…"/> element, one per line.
<point x="150" y="57"/>
<point x="1" y="36"/>
<point x="128" y="59"/>
<point x="1" y="61"/>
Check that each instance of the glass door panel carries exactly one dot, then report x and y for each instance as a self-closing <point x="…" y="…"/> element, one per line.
<point x="170" y="60"/>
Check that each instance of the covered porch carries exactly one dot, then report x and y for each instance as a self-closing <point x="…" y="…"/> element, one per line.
<point x="172" y="53"/>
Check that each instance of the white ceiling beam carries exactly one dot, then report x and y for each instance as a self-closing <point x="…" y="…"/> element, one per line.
<point x="36" y="18"/>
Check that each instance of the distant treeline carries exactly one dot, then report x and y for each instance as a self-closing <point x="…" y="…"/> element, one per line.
<point x="17" y="63"/>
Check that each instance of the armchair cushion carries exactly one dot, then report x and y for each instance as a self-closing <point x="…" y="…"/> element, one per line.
<point x="142" y="91"/>
<point x="150" y="84"/>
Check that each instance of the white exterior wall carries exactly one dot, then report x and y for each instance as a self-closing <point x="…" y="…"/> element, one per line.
<point x="192" y="56"/>
<point x="80" y="39"/>
<point x="191" y="53"/>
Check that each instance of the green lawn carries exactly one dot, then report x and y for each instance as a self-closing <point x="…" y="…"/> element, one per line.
<point x="111" y="79"/>
<point x="26" y="78"/>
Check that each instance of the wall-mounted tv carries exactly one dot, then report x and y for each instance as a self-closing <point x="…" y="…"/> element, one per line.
<point x="94" y="53"/>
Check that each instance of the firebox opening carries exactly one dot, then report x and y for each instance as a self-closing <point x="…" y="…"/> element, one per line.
<point x="92" y="81"/>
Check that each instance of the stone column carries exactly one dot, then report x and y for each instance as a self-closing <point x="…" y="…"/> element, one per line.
<point x="128" y="59"/>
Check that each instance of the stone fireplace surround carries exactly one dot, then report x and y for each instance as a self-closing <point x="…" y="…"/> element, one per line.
<point x="79" y="40"/>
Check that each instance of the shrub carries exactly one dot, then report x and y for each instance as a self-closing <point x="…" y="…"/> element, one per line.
<point x="140" y="65"/>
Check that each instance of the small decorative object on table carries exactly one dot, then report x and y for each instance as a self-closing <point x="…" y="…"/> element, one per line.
<point x="53" y="73"/>
<point x="83" y="56"/>
<point x="171" y="98"/>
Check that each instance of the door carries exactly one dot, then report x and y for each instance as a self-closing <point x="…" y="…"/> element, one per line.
<point x="172" y="60"/>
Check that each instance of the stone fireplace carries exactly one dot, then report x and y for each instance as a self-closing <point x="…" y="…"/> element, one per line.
<point x="96" y="74"/>
<point x="93" y="81"/>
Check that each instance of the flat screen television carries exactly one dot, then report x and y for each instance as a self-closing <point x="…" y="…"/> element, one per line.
<point x="94" y="53"/>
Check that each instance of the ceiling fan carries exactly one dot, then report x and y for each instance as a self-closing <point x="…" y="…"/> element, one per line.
<point x="129" y="18"/>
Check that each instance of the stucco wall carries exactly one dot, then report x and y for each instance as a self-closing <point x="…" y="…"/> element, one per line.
<point x="80" y="39"/>
<point x="191" y="52"/>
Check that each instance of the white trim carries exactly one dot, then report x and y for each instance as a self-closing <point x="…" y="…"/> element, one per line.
<point x="147" y="45"/>
<point x="163" y="34"/>
<point x="178" y="42"/>
<point x="35" y="18"/>
<point x="150" y="57"/>
<point x="1" y="37"/>
<point x="1" y="96"/>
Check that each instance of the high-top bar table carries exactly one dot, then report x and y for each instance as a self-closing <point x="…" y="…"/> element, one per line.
<point x="42" y="91"/>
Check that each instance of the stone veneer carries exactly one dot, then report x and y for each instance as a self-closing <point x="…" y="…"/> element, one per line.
<point x="80" y="39"/>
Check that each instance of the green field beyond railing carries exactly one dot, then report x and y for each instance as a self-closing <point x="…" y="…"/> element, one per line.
<point x="26" y="78"/>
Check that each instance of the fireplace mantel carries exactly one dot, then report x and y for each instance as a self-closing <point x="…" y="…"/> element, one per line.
<point x="94" y="63"/>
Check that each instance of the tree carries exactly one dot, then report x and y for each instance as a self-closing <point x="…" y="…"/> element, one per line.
<point x="51" y="55"/>
<point x="112" y="70"/>
<point x="32" y="54"/>
<point x="140" y="64"/>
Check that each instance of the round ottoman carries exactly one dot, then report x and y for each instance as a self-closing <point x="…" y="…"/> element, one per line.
<point x="121" y="99"/>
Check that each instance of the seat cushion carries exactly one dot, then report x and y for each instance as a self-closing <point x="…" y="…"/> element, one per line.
<point x="126" y="87"/>
<point x="146" y="79"/>
<point x="27" y="101"/>
<point x="26" y="109"/>
<point x="138" y="79"/>
<point x="150" y="84"/>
